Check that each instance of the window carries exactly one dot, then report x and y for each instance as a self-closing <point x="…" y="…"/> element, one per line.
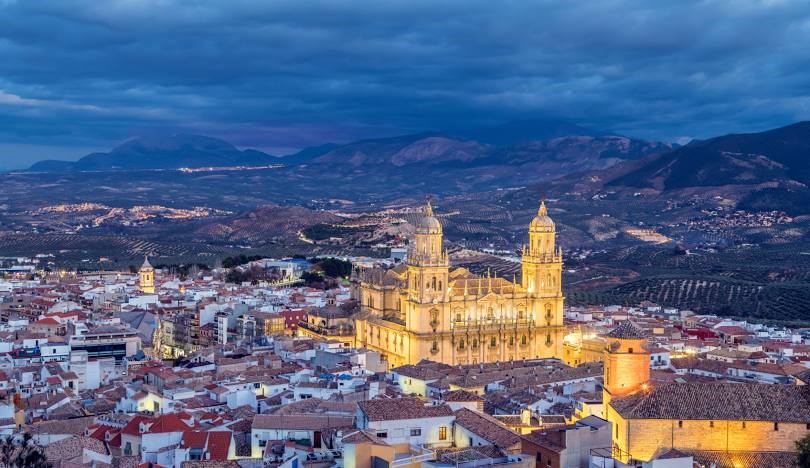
<point x="442" y="432"/>
<point x="493" y="342"/>
<point x="711" y="423"/>
<point x="743" y="425"/>
<point x="416" y="432"/>
<point x="776" y="426"/>
<point x="680" y="424"/>
<point x="382" y="435"/>
<point x="630" y="350"/>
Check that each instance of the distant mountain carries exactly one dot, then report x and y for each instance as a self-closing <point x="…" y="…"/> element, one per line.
<point x="426" y="148"/>
<point x="308" y="154"/>
<point x="768" y="170"/>
<point x="162" y="153"/>
<point x="736" y="159"/>
<point x="524" y="131"/>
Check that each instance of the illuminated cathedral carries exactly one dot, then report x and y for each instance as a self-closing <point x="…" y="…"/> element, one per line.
<point x="423" y="309"/>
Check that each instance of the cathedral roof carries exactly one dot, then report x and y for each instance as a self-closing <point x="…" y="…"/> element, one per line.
<point x="479" y="286"/>
<point x="718" y="401"/>
<point x="627" y="330"/>
<point x="542" y="222"/>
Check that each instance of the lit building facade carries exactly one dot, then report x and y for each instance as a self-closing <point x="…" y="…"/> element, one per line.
<point x="737" y="419"/>
<point x="424" y="310"/>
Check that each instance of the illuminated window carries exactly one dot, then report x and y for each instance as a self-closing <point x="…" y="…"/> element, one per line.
<point x="442" y="432"/>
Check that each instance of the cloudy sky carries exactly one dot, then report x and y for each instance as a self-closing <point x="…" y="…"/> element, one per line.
<point x="78" y="76"/>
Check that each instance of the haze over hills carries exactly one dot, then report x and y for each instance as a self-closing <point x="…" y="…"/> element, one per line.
<point x="162" y="153"/>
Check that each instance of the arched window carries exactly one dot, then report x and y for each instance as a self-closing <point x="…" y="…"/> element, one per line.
<point x="523" y="340"/>
<point x="493" y="342"/>
<point x="461" y="343"/>
<point x="433" y="283"/>
<point x="475" y="343"/>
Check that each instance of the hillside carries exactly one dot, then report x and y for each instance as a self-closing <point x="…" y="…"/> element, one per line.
<point x="162" y="153"/>
<point x="746" y="159"/>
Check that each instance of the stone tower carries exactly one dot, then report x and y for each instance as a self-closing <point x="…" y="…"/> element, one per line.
<point x="428" y="263"/>
<point x="541" y="279"/>
<point x="627" y="363"/>
<point x="146" y="277"/>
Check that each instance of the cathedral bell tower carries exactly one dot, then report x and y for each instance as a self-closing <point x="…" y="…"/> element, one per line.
<point x="541" y="263"/>
<point x="146" y="277"/>
<point x="428" y="263"/>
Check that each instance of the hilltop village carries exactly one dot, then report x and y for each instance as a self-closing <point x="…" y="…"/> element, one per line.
<point x="405" y="362"/>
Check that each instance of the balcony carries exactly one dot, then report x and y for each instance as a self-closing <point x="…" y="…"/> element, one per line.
<point x="492" y="324"/>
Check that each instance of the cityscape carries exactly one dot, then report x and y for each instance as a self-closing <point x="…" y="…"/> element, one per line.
<point x="404" y="234"/>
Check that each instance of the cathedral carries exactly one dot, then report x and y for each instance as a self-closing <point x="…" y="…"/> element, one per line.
<point x="423" y="309"/>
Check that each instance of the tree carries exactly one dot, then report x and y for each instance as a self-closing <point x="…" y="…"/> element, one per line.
<point x="803" y="449"/>
<point x="22" y="455"/>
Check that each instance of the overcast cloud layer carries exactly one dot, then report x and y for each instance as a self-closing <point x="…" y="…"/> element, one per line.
<point x="279" y="75"/>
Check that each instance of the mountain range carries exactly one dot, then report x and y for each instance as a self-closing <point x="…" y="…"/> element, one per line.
<point x="767" y="170"/>
<point x="171" y="152"/>
<point x="546" y="148"/>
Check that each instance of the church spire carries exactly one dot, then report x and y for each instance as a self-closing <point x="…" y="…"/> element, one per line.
<point x="428" y="206"/>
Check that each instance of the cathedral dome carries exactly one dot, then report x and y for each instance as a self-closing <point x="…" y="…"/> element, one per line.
<point x="428" y="224"/>
<point x="542" y="222"/>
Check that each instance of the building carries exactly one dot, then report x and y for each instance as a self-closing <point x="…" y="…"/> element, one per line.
<point x="695" y="418"/>
<point x="568" y="446"/>
<point x="107" y="341"/>
<point x="423" y="309"/>
<point x="146" y="277"/>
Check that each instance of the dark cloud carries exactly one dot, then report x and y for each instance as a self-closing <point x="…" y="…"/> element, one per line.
<point x="284" y="74"/>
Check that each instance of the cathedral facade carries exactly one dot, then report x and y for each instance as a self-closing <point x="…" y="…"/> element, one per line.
<point x="424" y="310"/>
